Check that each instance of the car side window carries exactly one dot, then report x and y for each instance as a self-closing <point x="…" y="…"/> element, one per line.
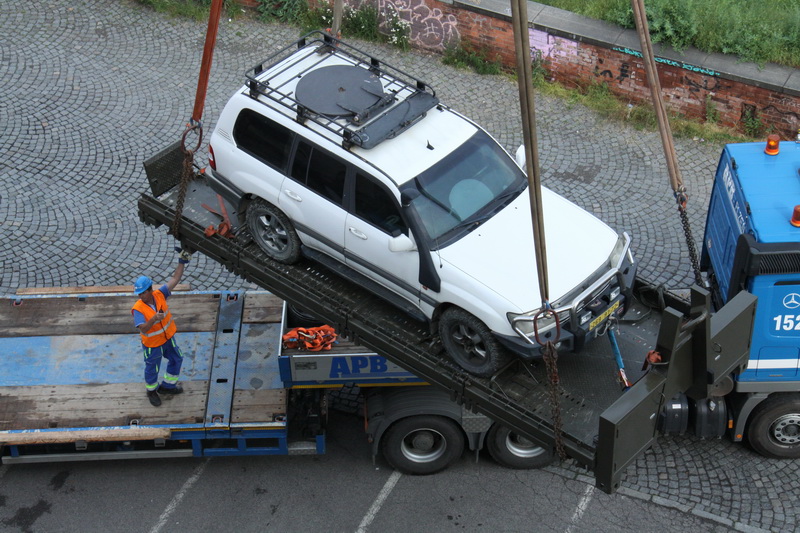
<point x="374" y="204"/>
<point x="320" y="172"/>
<point x="262" y="138"/>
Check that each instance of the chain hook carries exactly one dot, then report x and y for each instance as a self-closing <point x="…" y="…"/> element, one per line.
<point x="191" y="126"/>
<point x="543" y="313"/>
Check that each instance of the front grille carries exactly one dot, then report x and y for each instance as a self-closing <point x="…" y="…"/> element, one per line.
<point x="603" y="289"/>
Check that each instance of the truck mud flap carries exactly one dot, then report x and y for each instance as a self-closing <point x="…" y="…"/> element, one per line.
<point x="698" y="358"/>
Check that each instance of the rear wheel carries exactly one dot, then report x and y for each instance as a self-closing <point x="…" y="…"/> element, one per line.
<point x="774" y="427"/>
<point x="470" y="343"/>
<point x="423" y="444"/>
<point x="272" y="231"/>
<point x="515" y="451"/>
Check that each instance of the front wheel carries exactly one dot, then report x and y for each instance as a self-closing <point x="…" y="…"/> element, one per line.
<point x="423" y="444"/>
<point x="272" y="231"/>
<point x="515" y="451"/>
<point x="774" y="428"/>
<point x="470" y="343"/>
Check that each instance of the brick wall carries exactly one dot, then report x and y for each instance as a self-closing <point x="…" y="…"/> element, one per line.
<point x="687" y="88"/>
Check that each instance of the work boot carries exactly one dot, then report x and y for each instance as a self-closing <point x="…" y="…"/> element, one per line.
<point x="155" y="399"/>
<point x="177" y="389"/>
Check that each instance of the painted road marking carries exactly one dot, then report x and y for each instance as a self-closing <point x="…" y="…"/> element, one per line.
<point x="582" y="505"/>
<point x="162" y="520"/>
<point x="378" y="503"/>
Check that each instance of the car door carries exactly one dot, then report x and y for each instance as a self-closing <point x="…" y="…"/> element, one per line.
<point x="313" y="198"/>
<point x="378" y="242"/>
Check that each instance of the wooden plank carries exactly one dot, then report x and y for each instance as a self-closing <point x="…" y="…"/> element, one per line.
<point x="263" y="405"/>
<point x="89" y="406"/>
<point x="97" y="289"/>
<point x="89" y="435"/>
<point x="262" y="308"/>
<point x="100" y="315"/>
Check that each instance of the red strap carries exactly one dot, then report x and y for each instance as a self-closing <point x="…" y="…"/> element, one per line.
<point x="312" y="339"/>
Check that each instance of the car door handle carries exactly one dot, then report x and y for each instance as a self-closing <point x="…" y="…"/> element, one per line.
<point x="357" y="233"/>
<point x="293" y="195"/>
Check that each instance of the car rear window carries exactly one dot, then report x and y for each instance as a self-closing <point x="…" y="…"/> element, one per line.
<point x="263" y="139"/>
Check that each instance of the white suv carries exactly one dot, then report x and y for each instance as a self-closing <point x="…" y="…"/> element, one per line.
<point x="331" y="153"/>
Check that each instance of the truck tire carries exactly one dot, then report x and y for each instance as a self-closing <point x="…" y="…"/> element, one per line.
<point x="423" y="444"/>
<point x="515" y="451"/>
<point x="273" y="232"/>
<point x="470" y="343"/>
<point x="774" y="427"/>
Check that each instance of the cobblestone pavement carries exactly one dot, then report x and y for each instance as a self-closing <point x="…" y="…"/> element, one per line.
<point x="89" y="90"/>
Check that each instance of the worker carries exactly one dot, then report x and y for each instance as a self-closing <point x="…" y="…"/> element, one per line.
<point x="152" y="318"/>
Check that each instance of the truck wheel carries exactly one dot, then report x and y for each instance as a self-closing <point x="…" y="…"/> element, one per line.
<point x="272" y="231"/>
<point x="515" y="451"/>
<point x="774" y="428"/>
<point x="423" y="444"/>
<point x="470" y="343"/>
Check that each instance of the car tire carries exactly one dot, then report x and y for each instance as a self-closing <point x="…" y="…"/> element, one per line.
<point x="774" y="427"/>
<point x="512" y="450"/>
<point x="470" y="343"/>
<point x="272" y="231"/>
<point x="422" y="444"/>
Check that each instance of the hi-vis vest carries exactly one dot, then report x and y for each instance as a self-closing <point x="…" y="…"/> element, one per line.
<point x="162" y="331"/>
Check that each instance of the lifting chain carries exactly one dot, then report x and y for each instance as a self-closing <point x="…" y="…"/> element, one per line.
<point x="682" y="198"/>
<point x="187" y="172"/>
<point x="665" y="131"/>
<point x="550" y="356"/>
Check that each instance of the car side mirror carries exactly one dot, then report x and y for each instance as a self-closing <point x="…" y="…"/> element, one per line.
<point x="520" y="156"/>
<point x="401" y="243"/>
<point x="408" y="196"/>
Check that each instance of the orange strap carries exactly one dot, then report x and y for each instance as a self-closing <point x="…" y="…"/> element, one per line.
<point x="652" y="358"/>
<point x="311" y="339"/>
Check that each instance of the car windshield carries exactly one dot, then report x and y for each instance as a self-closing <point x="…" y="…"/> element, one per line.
<point x="465" y="189"/>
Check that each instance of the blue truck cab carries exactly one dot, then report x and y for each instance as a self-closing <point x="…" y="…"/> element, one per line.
<point x="752" y="243"/>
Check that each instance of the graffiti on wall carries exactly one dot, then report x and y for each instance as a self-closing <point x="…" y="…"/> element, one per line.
<point x="704" y="84"/>
<point x="600" y="72"/>
<point x="550" y="46"/>
<point x="670" y="62"/>
<point x="429" y="28"/>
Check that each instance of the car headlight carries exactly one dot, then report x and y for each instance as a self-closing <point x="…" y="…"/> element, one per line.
<point x="616" y="254"/>
<point x="523" y="323"/>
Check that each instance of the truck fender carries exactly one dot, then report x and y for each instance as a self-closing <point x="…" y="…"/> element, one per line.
<point x="742" y="406"/>
<point x="387" y="405"/>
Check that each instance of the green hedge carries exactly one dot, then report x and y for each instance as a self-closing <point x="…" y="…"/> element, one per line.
<point x="761" y="32"/>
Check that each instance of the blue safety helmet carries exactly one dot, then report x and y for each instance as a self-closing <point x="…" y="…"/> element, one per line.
<point x="142" y="284"/>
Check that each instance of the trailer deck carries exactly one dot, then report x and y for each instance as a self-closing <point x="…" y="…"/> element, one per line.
<point x="72" y="370"/>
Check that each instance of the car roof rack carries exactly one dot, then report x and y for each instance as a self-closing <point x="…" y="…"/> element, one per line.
<point x="342" y="89"/>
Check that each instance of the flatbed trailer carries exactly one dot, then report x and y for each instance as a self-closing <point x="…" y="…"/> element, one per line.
<point x="600" y="428"/>
<point x="71" y="380"/>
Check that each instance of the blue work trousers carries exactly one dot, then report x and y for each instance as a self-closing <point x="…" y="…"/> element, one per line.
<point x="152" y="364"/>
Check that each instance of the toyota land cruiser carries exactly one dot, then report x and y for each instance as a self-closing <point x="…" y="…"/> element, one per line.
<point x="331" y="153"/>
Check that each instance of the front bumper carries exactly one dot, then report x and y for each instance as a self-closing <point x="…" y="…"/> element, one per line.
<point x="585" y="315"/>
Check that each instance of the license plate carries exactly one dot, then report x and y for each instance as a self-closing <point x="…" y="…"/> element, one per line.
<point x="599" y="320"/>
